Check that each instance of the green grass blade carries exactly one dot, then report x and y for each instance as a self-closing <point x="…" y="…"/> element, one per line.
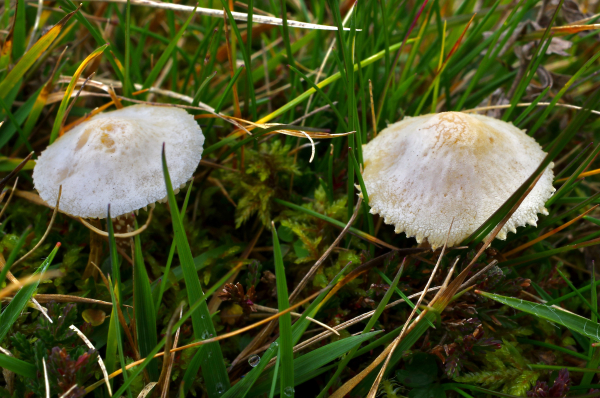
<point x="12" y="257"/>
<point x="127" y="85"/>
<point x="312" y="361"/>
<point x="245" y="56"/>
<point x="145" y="313"/>
<point x="158" y="67"/>
<point x="16" y="73"/>
<point x="16" y="306"/>
<point x="553" y="347"/>
<point x="565" y="187"/>
<point x="163" y="281"/>
<point x="20" y="30"/>
<point x="366" y="329"/>
<point x="595" y="360"/>
<point x="213" y="369"/>
<point x="17" y="366"/>
<point x="323" y="95"/>
<point x="117" y="327"/>
<point x="201" y="302"/>
<point x="569" y="320"/>
<point x="285" y="323"/>
<point x="191" y="373"/>
<point x="241" y="389"/>
<point x="62" y="109"/>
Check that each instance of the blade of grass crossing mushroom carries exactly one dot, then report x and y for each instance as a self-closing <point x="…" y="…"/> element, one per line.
<point x="158" y="67"/>
<point x="117" y="328"/>
<point x="16" y="306"/>
<point x="285" y="322"/>
<point x="384" y="301"/>
<point x="550" y="313"/>
<point x="213" y="369"/>
<point x="60" y="115"/>
<point x="143" y="303"/>
<point x="559" y="143"/>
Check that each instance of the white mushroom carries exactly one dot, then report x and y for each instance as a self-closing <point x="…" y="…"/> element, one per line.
<point x="115" y="157"/>
<point x="423" y="172"/>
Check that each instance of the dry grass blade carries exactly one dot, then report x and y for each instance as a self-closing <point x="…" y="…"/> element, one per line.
<point x="322" y="259"/>
<point x="165" y="391"/>
<point x="46" y="380"/>
<point x="15" y="171"/>
<point x="375" y="385"/>
<point x="56" y="207"/>
<point x="167" y="362"/>
<point x="275" y="311"/>
<point x="66" y="394"/>
<point x="222" y="337"/>
<point x="582" y="175"/>
<point x="147" y="389"/>
<point x="29" y="280"/>
<point x="12" y="192"/>
<point x="100" y="362"/>
<point x="524" y="104"/>
<point x="547" y="235"/>
<point x="125" y="235"/>
<point x="63" y="298"/>
<point x="62" y="124"/>
<point x="238" y="16"/>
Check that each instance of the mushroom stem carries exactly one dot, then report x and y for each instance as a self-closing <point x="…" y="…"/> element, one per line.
<point x="125" y="235"/>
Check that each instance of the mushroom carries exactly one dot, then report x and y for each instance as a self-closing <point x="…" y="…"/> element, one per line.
<point x="115" y="158"/>
<point x="424" y="172"/>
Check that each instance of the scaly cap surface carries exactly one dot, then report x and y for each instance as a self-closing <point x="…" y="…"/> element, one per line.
<point x="115" y="157"/>
<point x="422" y="172"/>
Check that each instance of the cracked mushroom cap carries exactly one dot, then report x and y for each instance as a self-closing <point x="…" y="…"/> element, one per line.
<point x="115" y="157"/>
<point x="424" y="171"/>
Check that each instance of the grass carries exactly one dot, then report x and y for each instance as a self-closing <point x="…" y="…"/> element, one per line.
<point x="259" y="214"/>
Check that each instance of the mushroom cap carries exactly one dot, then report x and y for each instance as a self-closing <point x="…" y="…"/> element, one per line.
<point x="115" y="158"/>
<point x="423" y="172"/>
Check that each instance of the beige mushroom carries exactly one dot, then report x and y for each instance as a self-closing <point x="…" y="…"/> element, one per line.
<point x="423" y="172"/>
<point x="115" y="158"/>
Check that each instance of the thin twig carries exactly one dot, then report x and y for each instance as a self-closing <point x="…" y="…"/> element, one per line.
<point x="125" y="235"/>
<point x="320" y="261"/>
<point x="47" y="229"/>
